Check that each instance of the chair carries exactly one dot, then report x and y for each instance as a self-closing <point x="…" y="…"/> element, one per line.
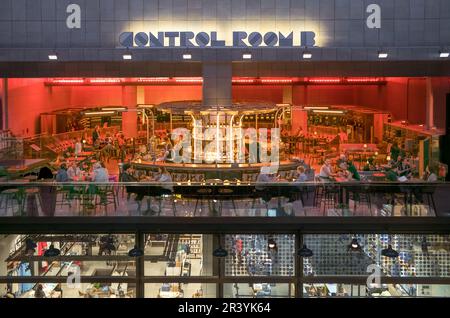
<point x="32" y="195"/>
<point x="360" y="196"/>
<point x="11" y="198"/>
<point x="106" y="195"/>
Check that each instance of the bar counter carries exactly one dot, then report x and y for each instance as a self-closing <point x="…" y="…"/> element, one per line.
<point x="214" y="171"/>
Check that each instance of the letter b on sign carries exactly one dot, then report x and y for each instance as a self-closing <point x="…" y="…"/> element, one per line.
<point x="74" y="19"/>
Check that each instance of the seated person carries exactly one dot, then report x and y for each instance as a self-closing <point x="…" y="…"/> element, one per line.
<point x="61" y="175"/>
<point x="165" y="179"/>
<point x="74" y="173"/>
<point x="164" y="187"/>
<point x="354" y="174"/>
<point x="342" y="162"/>
<point x="430" y="175"/>
<point x="404" y="168"/>
<point x="128" y="176"/>
<point x="265" y="178"/>
<point x="100" y="173"/>
<point x="326" y="171"/>
<point x="162" y="156"/>
<point x="301" y="175"/>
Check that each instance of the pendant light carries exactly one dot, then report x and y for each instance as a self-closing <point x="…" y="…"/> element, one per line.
<point x="354" y="246"/>
<point x="135" y="252"/>
<point x="220" y="252"/>
<point x="305" y="252"/>
<point x="389" y="252"/>
<point x="271" y="244"/>
<point x="52" y="251"/>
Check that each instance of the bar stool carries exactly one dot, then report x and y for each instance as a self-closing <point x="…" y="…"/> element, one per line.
<point x="32" y="195"/>
<point x="11" y="197"/>
<point x="106" y="196"/>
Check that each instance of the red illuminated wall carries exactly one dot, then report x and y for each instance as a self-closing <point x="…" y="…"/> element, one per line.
<point x="28" y="98"/>
<point x="161" y="94"/>
<point x="95" y="95"/>
<point x="404" y="97"/>
<point x="258" y="93"/>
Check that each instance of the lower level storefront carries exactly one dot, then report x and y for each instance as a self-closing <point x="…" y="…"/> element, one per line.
<point x="172" y="265"/>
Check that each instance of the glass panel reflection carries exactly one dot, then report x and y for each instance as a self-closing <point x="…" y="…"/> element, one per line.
<point x="180" y="290"/>
<point x="178" y="255"/>
<point x="259" y="255"/>
<point x="345" y="254"/>
<point x="258" y="290"/>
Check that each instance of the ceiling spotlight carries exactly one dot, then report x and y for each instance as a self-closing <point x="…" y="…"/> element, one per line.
<point x="444" y="54"/>
<point x="389" y="252"/>
<point x="383" y="55"/>
<point x="220" y="252"/>
<point x="52" y="251"/>
<point x="127" y="56"/>
<point x="53" y="57"/>
<point x="354" y="245"/>
<point x="307" y="55"/>
<point x="272" y="244"/>
<point x="305" y="252"/>
<point x="187" y="56"/>
<point x="135" y="252"/>
<point x="247" y="56"/>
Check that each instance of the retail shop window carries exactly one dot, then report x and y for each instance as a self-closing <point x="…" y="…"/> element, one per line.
<point x="258" y="290"/>
<point x="179" y="255"/>
<point x="352" y="254"/>
<point x="180" y="290"/>
<point x="63" y="290"/>
<point x="260" y="255"/>
<point x="383" y="290"/>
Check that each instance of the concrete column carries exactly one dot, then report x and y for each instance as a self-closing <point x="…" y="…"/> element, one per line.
<point x="5" y="246"/>
<point x="217" y="84"/>
<point x="129" y="119"/>
<point x="140" y="95"/>
<point x="429" y="104"/>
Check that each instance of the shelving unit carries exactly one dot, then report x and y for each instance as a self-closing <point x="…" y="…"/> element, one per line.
<point x="194" y="241"/>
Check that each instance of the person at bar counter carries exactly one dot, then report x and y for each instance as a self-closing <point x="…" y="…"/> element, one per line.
<point x="140" y="191"/>
<point x="164" y="187"/>
<point x="265" y="179"/>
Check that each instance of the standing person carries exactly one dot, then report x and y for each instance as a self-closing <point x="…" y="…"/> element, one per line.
<point x="95" y="135"/>
<point x="78" y="147"/>
<point x="39" y="292"/>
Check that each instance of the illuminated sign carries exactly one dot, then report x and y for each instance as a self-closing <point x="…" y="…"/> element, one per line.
<point x="211" y="39"/>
